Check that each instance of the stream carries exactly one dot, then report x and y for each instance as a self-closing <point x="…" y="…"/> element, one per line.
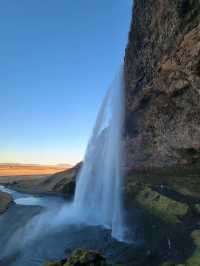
<point x="21" y="222"/>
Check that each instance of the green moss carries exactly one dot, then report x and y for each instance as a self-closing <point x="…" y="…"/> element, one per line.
<point x="82" y="257"/>
<point x="168" y="195"/>
<point x="52" y="264"/>
<point x="160" y="206"/>
<point x="185" y="181"/>
<point x="194" y="260"/>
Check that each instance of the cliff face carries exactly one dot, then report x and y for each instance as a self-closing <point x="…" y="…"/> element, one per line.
<point x="162" y="79"/>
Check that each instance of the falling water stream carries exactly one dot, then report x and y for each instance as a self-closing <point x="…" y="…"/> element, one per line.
<point x="98" y="191"/>
<point x="97" y="200"/>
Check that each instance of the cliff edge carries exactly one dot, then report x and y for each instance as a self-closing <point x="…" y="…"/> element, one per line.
<point x="162" y="79"/>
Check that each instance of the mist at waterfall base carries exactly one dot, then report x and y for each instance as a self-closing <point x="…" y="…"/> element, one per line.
<point x="97" y="199"/>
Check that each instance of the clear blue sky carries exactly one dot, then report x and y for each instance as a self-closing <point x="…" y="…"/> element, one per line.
<point x="57" y="60"/>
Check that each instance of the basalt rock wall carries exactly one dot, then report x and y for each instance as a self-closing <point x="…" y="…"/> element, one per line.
<point x="162" y="80"/>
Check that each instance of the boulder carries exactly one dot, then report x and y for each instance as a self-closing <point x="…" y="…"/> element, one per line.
<point x="82" y="257"/>
<point x="5" y="201"/>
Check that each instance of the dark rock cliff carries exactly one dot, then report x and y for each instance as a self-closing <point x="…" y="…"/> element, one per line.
<point x="162" y="79"/>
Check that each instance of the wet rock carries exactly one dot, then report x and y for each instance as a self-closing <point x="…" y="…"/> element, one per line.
<point x="5" y="201"/>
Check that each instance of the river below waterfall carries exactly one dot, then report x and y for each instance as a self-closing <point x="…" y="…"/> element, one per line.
<point x="56" y="244"/>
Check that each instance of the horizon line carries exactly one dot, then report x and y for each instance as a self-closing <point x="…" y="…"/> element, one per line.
<point x="38" y="164"/>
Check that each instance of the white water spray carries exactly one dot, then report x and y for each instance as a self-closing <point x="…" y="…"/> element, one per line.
<point x="98" y="190"/>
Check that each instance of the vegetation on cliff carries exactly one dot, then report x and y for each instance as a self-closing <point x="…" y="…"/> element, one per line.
<point x="168" y="203"/>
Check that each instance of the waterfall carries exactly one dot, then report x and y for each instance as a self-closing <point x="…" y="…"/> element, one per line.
<point x="97" y="199"/>
<point x="98" y="190"/>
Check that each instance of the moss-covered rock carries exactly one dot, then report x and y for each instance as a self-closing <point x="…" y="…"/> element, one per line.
<point x="163" y="207"/>
<point x="82" y="257"/>
<point x="185" y="181"/>
<point x="168" y="203"/>
<point x="52" y="264"/>
<point x="194" y="260"/>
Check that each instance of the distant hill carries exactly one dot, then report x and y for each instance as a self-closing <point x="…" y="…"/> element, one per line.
<point x="62" y="183"/>
<point x="17" y="169"/>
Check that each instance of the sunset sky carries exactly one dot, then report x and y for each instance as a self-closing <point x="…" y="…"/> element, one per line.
<point x="57" y="60"/>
